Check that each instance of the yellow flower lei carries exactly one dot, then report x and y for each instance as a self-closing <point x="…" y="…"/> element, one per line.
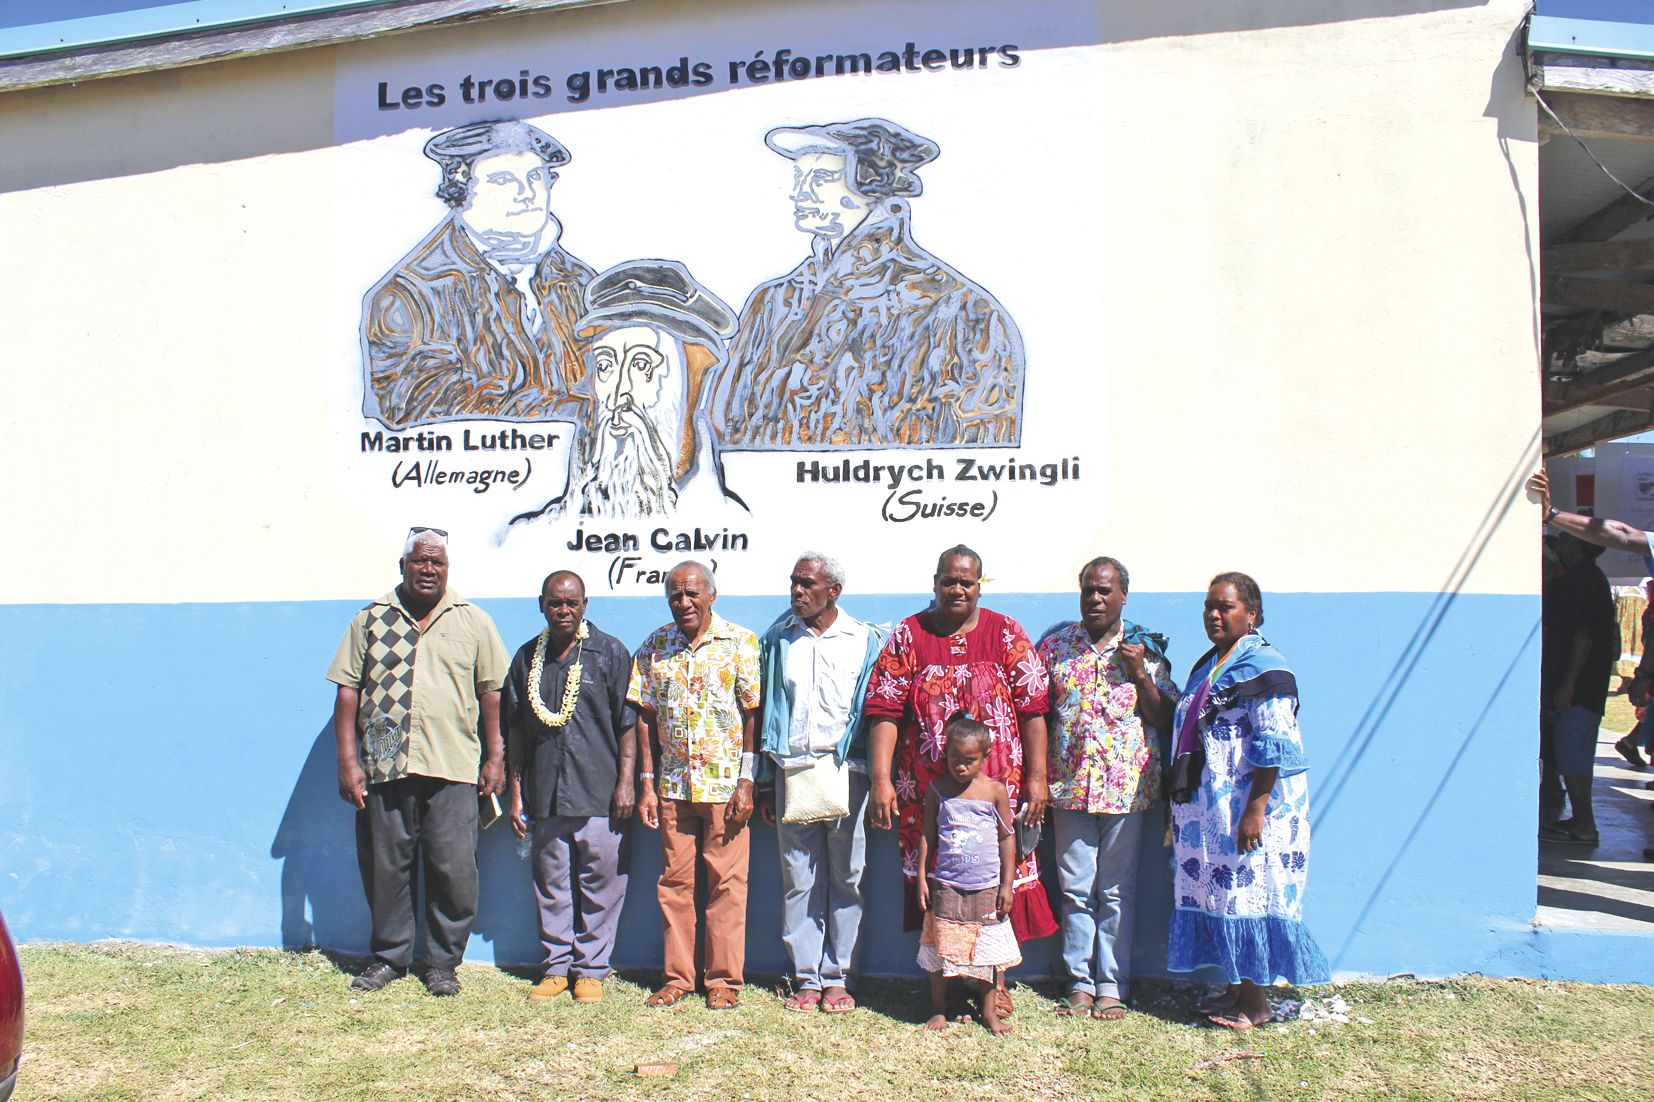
<point x="571" y="688"/>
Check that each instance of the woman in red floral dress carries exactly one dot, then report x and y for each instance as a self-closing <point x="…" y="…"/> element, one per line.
<point x="956" y="656"/>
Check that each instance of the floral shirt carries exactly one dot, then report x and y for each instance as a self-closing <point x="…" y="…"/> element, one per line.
<point x="698" y="694"/>
<point x="1104" y="760"/>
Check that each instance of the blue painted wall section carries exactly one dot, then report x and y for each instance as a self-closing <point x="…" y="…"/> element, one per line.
<point x="169" y="776"/>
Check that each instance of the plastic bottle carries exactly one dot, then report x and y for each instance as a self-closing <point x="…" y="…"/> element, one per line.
<point x="525" y="844"/>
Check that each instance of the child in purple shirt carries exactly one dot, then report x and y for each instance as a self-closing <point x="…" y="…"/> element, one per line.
<point x="967" y="896"/>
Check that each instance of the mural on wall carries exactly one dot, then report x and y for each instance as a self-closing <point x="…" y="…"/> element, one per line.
<point x="650" y="334"/>
<point x="871" y="342"/>
<point x="815" y="309"/>
<point x="478" y="319"/>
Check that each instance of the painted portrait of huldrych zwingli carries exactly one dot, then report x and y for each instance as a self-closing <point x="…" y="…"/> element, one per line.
<point x="871" y="342"/>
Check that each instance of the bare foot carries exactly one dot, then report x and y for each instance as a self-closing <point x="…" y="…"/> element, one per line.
<point x="991" y="1021"/>
<point x="1223" y="1000"/>
<point x="1238" y="1019"/>
<point x="937" y="1023"/>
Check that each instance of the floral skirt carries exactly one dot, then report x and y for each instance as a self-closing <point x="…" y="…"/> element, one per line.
<point x="969" y="949"/>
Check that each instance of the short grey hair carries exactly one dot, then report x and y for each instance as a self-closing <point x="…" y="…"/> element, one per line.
<point x="831" y="568"/>
<point x="706" y="575"/>
<point x="417" y="536"/>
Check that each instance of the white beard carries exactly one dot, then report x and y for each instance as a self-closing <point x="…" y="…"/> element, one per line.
<point x="632" y="475"/>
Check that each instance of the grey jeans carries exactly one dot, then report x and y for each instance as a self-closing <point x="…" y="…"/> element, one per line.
<point x="821" y="867"/>
<point x="1097" y="868"/>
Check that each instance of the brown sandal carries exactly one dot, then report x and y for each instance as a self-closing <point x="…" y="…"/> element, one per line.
<point x="670" y="995"/>
<point x="719" y="997"/>
<point x="1002" y="1001"/>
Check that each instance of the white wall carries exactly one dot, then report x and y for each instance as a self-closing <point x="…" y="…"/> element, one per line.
<point x="1276" y="286"/>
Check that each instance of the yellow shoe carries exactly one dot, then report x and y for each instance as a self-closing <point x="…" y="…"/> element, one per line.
<point x="549" y="988"/>
<point x="587" y="989"/>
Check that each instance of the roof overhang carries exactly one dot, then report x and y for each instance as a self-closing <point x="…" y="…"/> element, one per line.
<point x="1595" y="81"/>
<point x="195" y="33"/>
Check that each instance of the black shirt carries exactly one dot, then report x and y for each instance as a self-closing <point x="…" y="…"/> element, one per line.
<point x="1580" y="601"/>
<point x="571" y="770"/>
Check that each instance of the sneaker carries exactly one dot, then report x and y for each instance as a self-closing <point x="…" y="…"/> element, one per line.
<point x="378" y="975"/>
<point x="549" y="988"/>
<point x="441" y="982"/>
<point x="587" y="989"/>
<point x="1628" y="751"/>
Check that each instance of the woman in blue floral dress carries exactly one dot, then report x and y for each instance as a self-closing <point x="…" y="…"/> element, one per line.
<point x="1240" y="813"/>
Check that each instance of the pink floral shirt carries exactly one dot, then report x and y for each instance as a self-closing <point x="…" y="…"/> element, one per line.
<point x="1104" y="760"/>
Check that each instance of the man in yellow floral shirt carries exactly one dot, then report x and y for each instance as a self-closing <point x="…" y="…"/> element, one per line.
<point x="696" y="685"/>
<point x="1111" y="689"/>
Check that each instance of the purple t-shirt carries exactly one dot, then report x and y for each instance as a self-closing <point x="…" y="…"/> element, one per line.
<point x="967" y="843"/>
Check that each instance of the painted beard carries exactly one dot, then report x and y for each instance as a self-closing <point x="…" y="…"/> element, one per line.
<point x="631" y="473"/>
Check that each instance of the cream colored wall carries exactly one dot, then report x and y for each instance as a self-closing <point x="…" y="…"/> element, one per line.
<point x="1313" y="344"/>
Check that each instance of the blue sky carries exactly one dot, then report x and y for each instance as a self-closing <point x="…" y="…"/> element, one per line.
<point x="1612" y="11"/>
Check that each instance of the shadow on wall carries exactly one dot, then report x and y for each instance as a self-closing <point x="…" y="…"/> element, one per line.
<point x="322" y="902"/>
<point x="321" y="888"/>
<point x="1393" y="689"/>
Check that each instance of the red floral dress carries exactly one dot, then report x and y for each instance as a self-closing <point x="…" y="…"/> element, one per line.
<point x="922" y="678"/>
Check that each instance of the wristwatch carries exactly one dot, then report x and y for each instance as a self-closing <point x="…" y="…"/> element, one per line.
<point x="1550" y="514"/>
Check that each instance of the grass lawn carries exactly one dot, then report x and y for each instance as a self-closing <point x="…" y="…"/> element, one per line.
<point x="115" y="1021"/>
<point x="1619" y="715"/>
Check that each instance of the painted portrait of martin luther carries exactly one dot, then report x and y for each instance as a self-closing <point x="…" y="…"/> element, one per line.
<point x="477" y="320"/>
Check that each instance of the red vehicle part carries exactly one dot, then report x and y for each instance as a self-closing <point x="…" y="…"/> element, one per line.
<point x="11" y="1013"/>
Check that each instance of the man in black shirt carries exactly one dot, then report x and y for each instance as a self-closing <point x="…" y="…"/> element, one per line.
<point x="1581" y="645"/>
<point x="572" y="750"/>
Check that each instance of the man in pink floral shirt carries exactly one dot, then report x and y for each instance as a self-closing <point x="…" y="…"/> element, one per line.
<point x="1111" y="690"/>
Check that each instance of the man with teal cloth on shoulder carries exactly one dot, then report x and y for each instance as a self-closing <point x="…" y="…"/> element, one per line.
<point x="816" y="661"/>
<point x="1111" y="696"/>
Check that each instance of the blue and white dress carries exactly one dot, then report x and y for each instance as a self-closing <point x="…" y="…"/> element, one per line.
<point x="1244" y="912"/>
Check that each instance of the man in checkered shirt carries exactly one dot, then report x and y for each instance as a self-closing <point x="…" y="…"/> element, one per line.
<point x="416" y="672"/>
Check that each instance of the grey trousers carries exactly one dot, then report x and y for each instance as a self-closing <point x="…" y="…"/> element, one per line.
<point x="1097" y="867"/>
<point x="821" y="869"/>
<point x="596" y="854"/>
<point x="435" y="820"/>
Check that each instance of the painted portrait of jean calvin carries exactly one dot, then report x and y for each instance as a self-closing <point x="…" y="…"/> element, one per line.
<point x="871" y="342"/>
<point x="651" y="335"/>
<point x="478" y="320"/>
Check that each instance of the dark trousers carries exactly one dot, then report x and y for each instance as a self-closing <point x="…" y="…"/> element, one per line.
<point x="436" y="820"/>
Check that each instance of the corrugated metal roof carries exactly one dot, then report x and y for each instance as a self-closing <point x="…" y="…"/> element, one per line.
<point x="1594" y="37"/>
<point x="1572" y="187"/>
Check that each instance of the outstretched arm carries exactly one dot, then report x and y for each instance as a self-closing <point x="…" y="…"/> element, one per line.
<point x="1616" y="535"/>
